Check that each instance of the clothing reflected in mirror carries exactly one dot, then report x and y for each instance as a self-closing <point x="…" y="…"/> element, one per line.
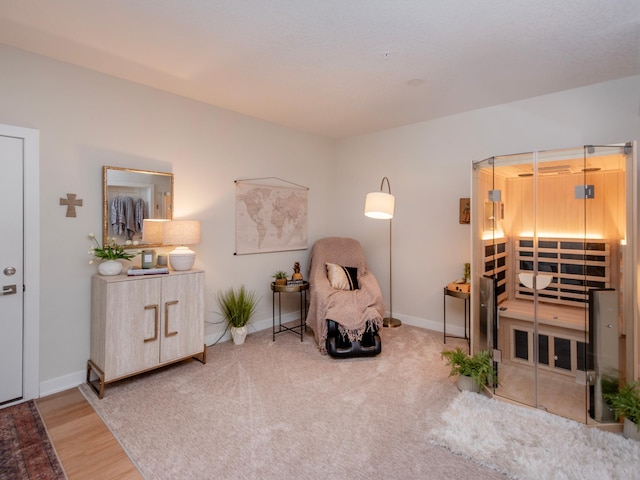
<point x="130" y="197"/>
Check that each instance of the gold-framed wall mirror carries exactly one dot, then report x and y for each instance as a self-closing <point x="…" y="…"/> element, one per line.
<point x="130" y="196"/>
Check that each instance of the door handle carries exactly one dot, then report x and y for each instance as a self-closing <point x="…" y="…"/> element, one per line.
<point x="155" y="323"/>
<point x="9" y="290"/>
<point x="167" y="333"/>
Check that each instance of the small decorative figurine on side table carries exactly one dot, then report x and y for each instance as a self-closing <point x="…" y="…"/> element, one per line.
<point x="297" y="276"/>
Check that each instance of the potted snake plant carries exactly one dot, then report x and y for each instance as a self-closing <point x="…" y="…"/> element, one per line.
<point x="238" y="306"/>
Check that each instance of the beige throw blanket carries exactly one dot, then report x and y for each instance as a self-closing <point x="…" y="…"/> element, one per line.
<point x="354" y="310"/>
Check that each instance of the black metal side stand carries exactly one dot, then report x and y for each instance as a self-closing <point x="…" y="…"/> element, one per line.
<point x="466" y="296"/>
<point x="300" y="288"/>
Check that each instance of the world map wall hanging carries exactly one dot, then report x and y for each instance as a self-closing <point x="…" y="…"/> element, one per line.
<point x="271" y="216"/>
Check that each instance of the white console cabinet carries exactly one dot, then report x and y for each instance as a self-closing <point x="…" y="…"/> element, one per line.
<point x="139" y="323"/>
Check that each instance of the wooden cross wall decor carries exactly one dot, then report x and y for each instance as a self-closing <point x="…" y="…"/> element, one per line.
<point x="71" y="204"/>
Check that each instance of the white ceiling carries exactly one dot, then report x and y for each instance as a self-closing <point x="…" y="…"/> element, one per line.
<point x="338" y="68"/>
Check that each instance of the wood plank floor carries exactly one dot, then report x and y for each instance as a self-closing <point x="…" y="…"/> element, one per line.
<point x="84" y="444"/>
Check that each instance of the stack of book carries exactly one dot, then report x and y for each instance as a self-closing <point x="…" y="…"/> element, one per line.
<point x="147" y="271"/>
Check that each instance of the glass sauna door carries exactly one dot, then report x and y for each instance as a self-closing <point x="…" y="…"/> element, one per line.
<point x="549" y="229"/>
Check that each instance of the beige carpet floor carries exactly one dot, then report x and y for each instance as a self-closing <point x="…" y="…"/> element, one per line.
<point x="280" y="410"/>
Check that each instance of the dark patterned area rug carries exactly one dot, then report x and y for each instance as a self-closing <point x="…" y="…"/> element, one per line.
<point x="25" y="449"/>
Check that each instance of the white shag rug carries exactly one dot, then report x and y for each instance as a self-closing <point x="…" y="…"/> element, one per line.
<point x="530" y="444"/>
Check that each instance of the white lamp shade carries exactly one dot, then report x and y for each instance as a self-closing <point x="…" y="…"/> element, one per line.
<point x="181" y="232"/>
<point x="379" y="205"/>
<point x="152" y="231"/>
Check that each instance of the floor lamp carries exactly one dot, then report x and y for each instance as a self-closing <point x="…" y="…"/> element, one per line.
<point x="381" y="205"/>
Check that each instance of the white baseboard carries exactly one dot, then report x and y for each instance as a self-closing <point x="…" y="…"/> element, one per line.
<point x="434" y="325"/>
<point x="213" y="333"/>
<point x="55" y="385"/>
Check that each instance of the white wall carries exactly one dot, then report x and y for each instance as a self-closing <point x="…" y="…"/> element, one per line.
<point x="87" y="120"/>
<point x="429" y="168"/>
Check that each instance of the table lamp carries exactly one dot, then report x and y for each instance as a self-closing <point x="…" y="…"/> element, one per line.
<point x="181" y="232"/>
<point x="152" y="231"/>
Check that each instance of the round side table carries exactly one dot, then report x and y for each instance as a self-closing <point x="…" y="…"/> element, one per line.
<point x="301" y="289"/>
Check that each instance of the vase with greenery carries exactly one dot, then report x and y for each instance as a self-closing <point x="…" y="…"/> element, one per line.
<point x="280" y="277"/>
<point x="238" y="306"/>
<point x="477" y="367"/>
<point x="110" y="254"/>
<point x="467" y="272"/>
<point x="625" y="403"/>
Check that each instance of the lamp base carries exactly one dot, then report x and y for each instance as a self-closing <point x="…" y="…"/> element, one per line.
<point x="391" y="322"/>
<point x="182" y="258"/>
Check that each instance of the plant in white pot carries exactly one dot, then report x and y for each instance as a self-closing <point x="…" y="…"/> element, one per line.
<point x="474" y="371"/>
<point x="110" y="254"/>
<point x="238" y="306"/>
<point x="625" y="403"/>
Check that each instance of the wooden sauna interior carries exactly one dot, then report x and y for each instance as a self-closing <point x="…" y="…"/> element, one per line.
<point x="561" y="216"/>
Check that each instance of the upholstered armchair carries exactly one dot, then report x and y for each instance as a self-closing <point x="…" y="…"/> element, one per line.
<point x="346" y="305"/>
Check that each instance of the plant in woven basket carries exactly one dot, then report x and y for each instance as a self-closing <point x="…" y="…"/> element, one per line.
<point x="280" y="277"/>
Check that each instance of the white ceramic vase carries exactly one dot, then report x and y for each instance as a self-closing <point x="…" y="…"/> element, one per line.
<point x="109" y="267"/>
<point x="238" y="334"/>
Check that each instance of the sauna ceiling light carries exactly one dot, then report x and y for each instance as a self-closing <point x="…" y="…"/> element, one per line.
<point x="558" y="169"/>
<point x="554" y="169"/>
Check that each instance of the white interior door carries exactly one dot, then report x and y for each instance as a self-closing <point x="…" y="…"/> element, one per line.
<point x="11" y="269"/>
